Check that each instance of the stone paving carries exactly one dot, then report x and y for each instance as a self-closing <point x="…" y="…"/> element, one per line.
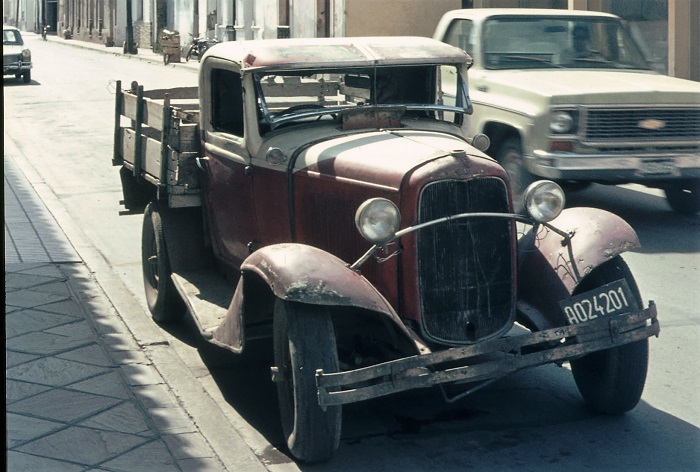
<point x="80" y="392"/>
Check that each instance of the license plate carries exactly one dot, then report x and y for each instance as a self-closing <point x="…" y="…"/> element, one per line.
<point x="657" y="167"/>
<point x="608" y="300"/>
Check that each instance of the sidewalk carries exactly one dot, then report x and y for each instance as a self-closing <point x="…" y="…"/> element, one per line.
<point x="144" y="54"/>
<point x="91" y="387"/>
<point x="80" y="392"/>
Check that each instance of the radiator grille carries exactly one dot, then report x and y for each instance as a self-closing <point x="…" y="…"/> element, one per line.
<point x="465" y="266"/>
<point x="11" y="59"/>
<point x="667" y="124"/>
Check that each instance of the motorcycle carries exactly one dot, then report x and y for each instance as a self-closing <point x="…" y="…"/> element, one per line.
<point x="44" y="32"/>
<point x="199" y="46"/>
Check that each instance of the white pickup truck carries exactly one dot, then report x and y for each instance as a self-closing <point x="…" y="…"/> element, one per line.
<point x="568" y="96"/>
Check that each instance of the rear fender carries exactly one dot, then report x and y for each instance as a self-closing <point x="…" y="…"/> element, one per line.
<point x="550" y="266"/>
<point x="304" y="274"/>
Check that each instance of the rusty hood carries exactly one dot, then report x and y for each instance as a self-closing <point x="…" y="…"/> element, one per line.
<point x="382" y="157"/>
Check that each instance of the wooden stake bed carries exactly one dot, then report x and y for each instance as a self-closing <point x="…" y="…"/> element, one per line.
<point x="156" y="139"/>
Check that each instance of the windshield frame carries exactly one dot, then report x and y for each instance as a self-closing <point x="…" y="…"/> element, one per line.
<point x="273" y="119"/>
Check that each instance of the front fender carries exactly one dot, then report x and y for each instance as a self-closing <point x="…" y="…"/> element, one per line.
<point x="550" y="267"/>
<point x="304" y="274"/>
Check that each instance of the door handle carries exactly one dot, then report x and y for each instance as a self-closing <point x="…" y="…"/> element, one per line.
<point x="200" y="162"/>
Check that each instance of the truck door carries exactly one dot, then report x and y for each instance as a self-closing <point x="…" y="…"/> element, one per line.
<point x="228" y="184"/>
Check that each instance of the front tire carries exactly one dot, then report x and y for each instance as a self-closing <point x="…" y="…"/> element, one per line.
<point x="27" y="77"/>
<point x="510" y="156"/>
<point x="161" y="296"/>
<point x="684" y="198"/>
<point x="612" y="381"/>
<point x="304" y="341"/>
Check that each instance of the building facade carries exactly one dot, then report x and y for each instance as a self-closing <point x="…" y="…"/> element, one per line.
<point x="668" y="28"/>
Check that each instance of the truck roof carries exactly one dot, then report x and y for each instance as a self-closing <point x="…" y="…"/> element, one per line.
<point x="313" y="53"/>
<point x="478" y="14"/>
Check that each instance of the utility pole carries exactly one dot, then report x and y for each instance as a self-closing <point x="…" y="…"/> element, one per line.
<point x="17" y="15"/>
<point x="129" y="47"/>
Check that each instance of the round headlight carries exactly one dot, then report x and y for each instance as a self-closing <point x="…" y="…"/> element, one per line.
<point x="544" y="200"/>
<point x="562" y="122"/>
<point x="377" y="220"/>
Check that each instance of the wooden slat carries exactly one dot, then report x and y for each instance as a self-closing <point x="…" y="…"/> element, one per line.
<point x="184" y="137"/>
<point x="150" y="157"/>
<point x="129" y="105"/>
<point x="117" y="146"/>
<point x="177" y="93"/>
<point x="153" y="114"/>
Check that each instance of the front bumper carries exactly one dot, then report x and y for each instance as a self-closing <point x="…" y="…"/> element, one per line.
<point x="615" y="168"/>
<point x="16" y="67"/>
<point x="486" y="361"/>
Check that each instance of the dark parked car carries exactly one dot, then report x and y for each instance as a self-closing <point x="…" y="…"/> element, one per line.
<point x="16" y="57"/>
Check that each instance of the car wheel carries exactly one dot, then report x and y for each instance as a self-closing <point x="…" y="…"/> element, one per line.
<point x="510" y="156"/>
<point x="684" y="198"/>
<point x="162" y="299"/>
<point x="27" y="77"/>
<point x="612" y="381"/>
<point x="304" y="341"/>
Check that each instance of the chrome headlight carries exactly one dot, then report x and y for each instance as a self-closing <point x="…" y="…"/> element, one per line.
<point x="562" y="122"/>
<point x="377" y="220"/>
<point x="26" y="55"/>
<point x="544" y="200"/>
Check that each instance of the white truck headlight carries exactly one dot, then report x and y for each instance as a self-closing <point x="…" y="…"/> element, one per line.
<point x="377" y="220"/>
<point x="26" y="55"/>
<point x="562" y="122"/>
<point x="544" y="200"/>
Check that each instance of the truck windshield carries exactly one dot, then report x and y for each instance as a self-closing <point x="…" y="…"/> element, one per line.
<point x="556" y="42"/>
<point x="429" y="92"/>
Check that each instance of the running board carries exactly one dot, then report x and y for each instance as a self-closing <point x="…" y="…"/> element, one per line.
<point x="207" y="295"/>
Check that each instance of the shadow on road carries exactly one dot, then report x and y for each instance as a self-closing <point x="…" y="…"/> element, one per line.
<point x="534" y="420"/>
<point x="15" y="82"/>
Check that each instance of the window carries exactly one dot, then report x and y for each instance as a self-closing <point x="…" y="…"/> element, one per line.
<point x="227" y="102"/>
<point x="459" y="34"/>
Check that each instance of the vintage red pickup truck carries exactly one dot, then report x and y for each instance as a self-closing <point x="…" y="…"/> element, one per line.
<point x="324" y="193"/>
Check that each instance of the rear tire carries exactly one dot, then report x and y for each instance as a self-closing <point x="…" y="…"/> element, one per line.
<point x="612" y="381"/>
<point x="162" y="298"/>
<point x="304" y="341"/>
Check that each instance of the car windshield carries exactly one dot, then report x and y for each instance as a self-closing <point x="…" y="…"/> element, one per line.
<point x="555" y="42"/>
<point x="11" y="38"/>
<point x="431" y="92"/>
